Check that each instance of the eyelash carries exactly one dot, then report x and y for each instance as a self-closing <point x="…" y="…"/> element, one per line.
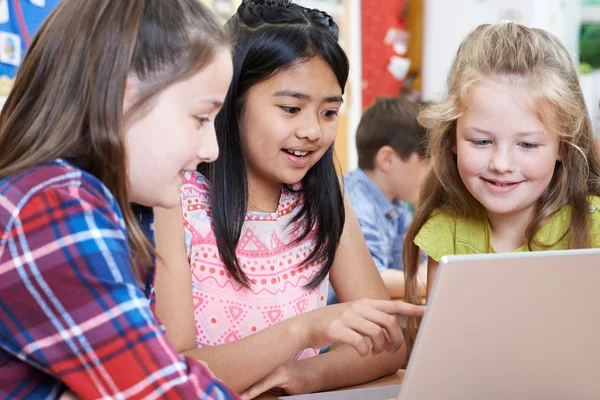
<point x="329" y="114"/>
<point x="332" y="114"/>
<point x="202" y="120"/>
<point x="290" y="110"/>
<point x="485" y="142"/>
<point x="531" y="145"/>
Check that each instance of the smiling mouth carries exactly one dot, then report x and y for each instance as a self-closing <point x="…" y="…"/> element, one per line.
<point x="500" y="184"/>
<point x="297" y="153"/>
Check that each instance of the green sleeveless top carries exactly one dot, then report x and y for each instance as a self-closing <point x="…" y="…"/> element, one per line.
<point x="443" y="234"/>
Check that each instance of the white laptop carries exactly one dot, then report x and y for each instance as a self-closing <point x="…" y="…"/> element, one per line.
<point x="505" y="326"/>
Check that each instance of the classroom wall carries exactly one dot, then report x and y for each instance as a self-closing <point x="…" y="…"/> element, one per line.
<point x="446" y="23"/>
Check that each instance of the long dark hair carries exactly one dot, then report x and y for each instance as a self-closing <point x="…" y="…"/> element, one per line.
<point x="268" y="37"/>
<point x="67" y="100"/>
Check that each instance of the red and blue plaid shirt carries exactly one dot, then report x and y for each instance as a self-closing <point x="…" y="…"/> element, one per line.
<point x="71" y="313"/>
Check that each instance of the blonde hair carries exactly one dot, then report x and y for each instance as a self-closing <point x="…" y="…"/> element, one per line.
<point x="537" y="62"/>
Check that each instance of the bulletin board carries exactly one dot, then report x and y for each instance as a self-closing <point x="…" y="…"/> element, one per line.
<point x="19" y="21"/>
<point x="385" y="42"/>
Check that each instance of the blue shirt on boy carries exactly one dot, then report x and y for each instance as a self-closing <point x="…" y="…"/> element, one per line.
<point x="383" y="223"/>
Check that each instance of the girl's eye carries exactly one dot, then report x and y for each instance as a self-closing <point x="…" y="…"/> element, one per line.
<point x="527" y="145"/>
<point x="202" y="120"/>
<point x="483" y="142"/>
<point x="330" y="114"/>
<point x="290" y="110"/>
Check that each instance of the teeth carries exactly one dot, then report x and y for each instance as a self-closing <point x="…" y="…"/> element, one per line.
<point x="298" y="153"/>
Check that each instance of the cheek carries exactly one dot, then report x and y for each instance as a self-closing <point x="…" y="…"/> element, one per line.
<point x="540" y="167"/>
<point x="470" y="160"/>
<point x="329" y="133"/>
<point x="260" y="138"/>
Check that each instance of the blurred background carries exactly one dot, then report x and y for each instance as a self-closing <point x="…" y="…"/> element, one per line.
<point x="395" y="46"/>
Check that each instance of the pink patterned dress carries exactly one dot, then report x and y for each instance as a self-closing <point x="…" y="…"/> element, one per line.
<point x="224" y="310"/>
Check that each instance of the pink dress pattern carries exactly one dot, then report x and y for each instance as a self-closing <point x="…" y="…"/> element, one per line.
<point x="224" y="310"/>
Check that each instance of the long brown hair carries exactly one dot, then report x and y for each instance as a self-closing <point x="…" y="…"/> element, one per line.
<point x="540" y="65"/>
<point x="67" y="99"/>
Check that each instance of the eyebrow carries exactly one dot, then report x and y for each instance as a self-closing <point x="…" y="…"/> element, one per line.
<point x="302" y="96"/>
<point x="483" y="131"/>
<point x="216" y="104"/>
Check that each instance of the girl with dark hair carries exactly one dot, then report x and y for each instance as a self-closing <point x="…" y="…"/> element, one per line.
<point x="266" y="226"/>
<point x="82" y="134"/>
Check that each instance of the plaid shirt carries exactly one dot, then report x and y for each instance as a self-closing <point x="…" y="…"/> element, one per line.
<point x="71" y="312"/>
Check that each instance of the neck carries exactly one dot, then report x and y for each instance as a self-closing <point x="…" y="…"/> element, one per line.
<point x="508" y="231"/>
<point x="263" y="196"/>
<point x="376" y="177"/>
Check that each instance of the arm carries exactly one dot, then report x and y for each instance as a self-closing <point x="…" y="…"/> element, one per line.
<point x="233" y="362"/>
<point x="82" y="318"/>
<point x="353" y="277"/>
<point x="392" y="279"/>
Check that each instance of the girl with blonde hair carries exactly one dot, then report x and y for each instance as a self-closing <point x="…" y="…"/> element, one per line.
<point x="513" y="165"/>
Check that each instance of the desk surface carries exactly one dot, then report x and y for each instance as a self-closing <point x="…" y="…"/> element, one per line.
<point x="395" y="379"/>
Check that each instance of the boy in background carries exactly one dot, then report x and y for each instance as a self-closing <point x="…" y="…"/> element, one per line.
<point x="385" y="188"/>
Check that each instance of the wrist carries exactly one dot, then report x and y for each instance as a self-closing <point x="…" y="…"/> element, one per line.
<point x="314" y="377"/>
<point x="298" y="333"/>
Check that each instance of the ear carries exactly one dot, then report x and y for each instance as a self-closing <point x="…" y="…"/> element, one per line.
<point x="130" y="93"/>
<point x="384" y="159"/>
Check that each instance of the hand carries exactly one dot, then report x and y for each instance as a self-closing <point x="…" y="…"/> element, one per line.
<point x="358" y="324"/>
<point x="291" y="377"/>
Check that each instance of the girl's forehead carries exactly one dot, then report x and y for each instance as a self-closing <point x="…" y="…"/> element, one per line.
<point x="313" y="76"/>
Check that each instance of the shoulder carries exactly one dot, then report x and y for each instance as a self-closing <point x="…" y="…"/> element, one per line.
<point x="437" y="235"/>
<point x="356" y="183"/>
<point x="58" y="206"/>
<point x="445" y="233"/>
<point x="364" y="196"/>
<point x="55" y="182"/>
<point x="440" y="219"/>
<point x="439" y="224"/>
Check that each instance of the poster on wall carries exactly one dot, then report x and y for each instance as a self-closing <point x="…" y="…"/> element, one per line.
<point x="19" y="21"/>
<point x="385" y="42"/>
<point x="10" y="48"/>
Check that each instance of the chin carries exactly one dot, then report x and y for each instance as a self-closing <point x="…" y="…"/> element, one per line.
<point x="292" y="179"/>
<point x="508" y="209"/>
